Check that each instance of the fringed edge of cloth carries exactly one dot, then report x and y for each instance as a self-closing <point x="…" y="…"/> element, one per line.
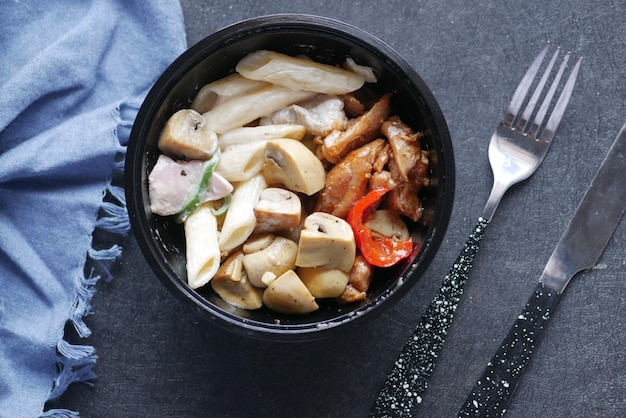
<point x="75" y="362"/>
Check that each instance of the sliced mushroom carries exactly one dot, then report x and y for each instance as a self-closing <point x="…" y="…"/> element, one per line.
<point x="186" y="136"/>
<point x="294" y="234"/>
<point x="292" y="164"/>
<point x="277" y="210"/>
<point x="257" y="243"/>
<point x="276" y="258"/>
<point x="323" y="282"/>
<point x="326" y="241"/>
<point x="388" y="223"/>
<point x="287" y="294"/>
<point x="232" y="284"/>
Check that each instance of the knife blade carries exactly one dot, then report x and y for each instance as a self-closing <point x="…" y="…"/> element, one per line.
<point x="578" y="249"/>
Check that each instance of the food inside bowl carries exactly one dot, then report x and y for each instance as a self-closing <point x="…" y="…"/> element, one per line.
<point x="294" y="181"/>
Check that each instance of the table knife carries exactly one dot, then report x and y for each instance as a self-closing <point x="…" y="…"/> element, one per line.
<point x="579" y="248"/>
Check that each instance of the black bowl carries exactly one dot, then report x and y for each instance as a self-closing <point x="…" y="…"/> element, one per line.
<point x="325" y="40"/>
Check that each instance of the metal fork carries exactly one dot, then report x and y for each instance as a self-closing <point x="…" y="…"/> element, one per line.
<point x="516" y="149"/>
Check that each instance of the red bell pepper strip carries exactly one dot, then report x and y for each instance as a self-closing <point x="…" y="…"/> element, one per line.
<point x="378" y="251"/>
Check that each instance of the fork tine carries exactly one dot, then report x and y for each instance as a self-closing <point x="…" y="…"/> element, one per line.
<point x="521" y="124"/>
<point x="559" y="109"/>
<point x="534" y="127"/>
<point x="522" y="89"/>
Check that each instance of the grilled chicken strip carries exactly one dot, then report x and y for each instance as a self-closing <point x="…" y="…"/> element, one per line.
<point x="360" y="131"/>
<point x="360" y="279"/>
<point x="348" y="180"/>
<point x="408" y="167"/>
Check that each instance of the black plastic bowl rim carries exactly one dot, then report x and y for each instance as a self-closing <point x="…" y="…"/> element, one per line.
<point x="163" y="99"/>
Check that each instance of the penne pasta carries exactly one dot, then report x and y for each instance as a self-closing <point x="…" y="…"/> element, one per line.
<point x="249" y="134"/>
<point x="298" y="73"/>
<point x="241" y="162"/>
<point x="249" y="106"/>
<point x="240" y="220"/>
<point x="202" y="249"/>
<point x="224" y="89"/>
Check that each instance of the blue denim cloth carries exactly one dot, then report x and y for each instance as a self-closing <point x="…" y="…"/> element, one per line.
<point x="72" y="78"/>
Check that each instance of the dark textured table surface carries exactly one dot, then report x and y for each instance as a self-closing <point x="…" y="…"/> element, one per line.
<point x="157" y="359"/>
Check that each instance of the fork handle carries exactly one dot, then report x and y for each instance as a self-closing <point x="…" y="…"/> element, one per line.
<point x="493" y="391"/>
<point x="408" y="379"/>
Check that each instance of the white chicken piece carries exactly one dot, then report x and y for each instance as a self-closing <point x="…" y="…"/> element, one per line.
<point x="320" y="115"/>
<point x="366" y="72"/>
<point x="170" y="182"/>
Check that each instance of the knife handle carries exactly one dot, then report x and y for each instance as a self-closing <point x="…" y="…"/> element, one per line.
<point x="408" y="379"/>
<point x="493" y="391"/>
